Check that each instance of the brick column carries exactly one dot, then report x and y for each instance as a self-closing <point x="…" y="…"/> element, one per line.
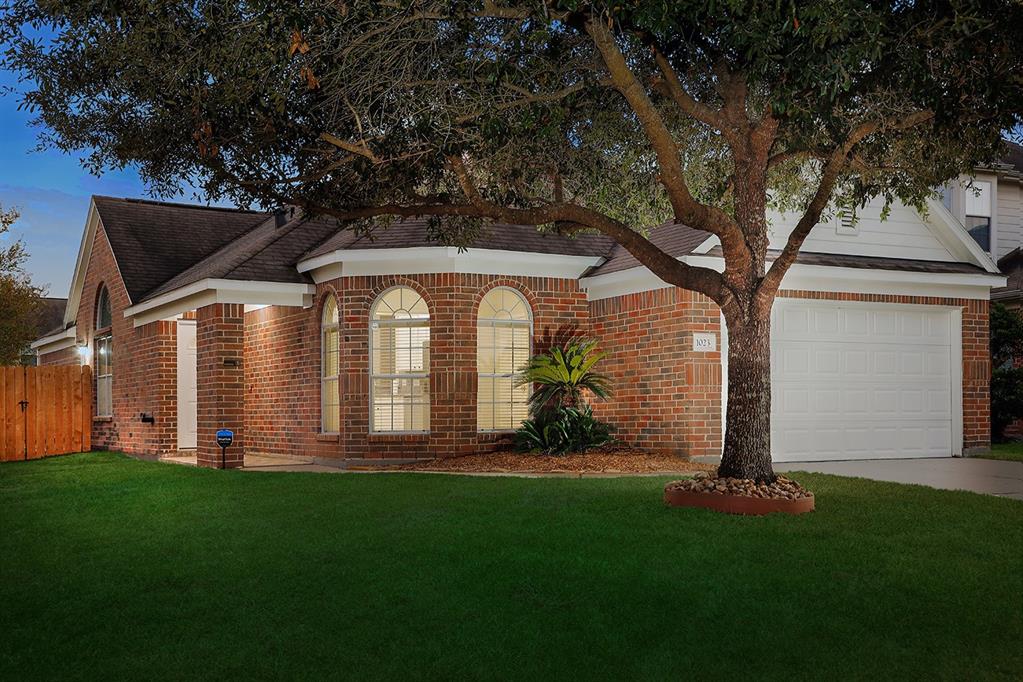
<point x="220" y="337"/>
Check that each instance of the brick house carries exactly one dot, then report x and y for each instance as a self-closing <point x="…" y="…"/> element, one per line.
<point x="306" y="339"/>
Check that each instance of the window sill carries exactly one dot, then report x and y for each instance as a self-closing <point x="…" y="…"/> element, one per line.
<point x="400" y="437"/>
<point x="328" y="437"/>
<point x="102" y="419"/>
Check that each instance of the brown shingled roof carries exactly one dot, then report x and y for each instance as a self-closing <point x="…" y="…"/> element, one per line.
<point x="153" y="241"/>
<point x="1013" y="156"/>
<point x="414" y="232"/>
<point x="675" y="240"/>
<point x="841" y="260"/>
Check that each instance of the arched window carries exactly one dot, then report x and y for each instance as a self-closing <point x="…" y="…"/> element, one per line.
<point x="400" y="362"/>
<point x="104" y="354"/>
<point x="504" y="336"/>
<point x="330" y="399"/>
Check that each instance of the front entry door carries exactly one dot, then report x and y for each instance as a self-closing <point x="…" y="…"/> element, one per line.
<point x="187" y="383"/>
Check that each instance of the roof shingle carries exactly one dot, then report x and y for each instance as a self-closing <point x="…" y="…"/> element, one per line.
<point x="154" y="241"/>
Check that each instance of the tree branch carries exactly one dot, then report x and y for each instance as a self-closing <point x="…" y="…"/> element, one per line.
<point x="686" y="208"/>
<point x="701" y="112"/>
<point x="836" y="163"/>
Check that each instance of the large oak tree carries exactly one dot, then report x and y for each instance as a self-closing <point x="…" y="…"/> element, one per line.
<point x="599" y="116"/>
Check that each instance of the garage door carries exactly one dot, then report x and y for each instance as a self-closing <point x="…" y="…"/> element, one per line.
<point x="863" y="381"/>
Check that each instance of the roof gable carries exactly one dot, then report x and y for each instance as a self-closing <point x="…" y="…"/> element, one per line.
<point x="154" y="241"/>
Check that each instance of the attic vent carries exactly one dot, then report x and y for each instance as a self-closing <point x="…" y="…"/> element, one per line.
<point x="846" y="223"/>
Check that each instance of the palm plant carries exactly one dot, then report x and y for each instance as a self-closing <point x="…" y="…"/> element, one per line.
<point x="562" y="374"/>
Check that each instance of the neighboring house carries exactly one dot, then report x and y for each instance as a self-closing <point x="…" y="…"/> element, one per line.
<point x="990" y="204"/>
<point x="1011" y="295"/>
<point x="306" y="339"/>
<point x="50" y="320"/>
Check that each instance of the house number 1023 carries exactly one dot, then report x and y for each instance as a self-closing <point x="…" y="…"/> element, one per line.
<point x="704" y="343"/>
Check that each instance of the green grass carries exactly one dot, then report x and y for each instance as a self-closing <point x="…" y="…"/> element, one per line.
<point x="112" y="568"/>
<point x="1012" y="452"/>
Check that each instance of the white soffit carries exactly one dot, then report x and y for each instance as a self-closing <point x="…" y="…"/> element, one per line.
<point x="440" y="259"/>
<point x="56" y="342"/>
<point x="815" y="278"/>
<point x="210" y="291"/>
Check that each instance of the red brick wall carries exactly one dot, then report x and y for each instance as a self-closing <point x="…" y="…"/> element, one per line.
<point x="669" y="398"/>
<point x="220" y="340"/>
<point x="283" y="364"/>
<point x="144" y="364"/>
<point x="68" y="356"/>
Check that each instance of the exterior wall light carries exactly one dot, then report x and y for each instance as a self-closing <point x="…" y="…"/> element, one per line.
<point x="84" y="353"/>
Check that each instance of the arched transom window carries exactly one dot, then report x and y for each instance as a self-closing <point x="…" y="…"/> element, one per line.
<point x="330" y="399"/>
<point x="400" y="362"/>
<point x="104" y="354"/>
<point x="504" y="338"/>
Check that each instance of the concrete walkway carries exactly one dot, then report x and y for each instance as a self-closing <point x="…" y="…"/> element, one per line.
<point x="987" y="476"/>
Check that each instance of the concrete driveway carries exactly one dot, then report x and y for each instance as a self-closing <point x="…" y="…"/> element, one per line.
<point x="988" y="476"/>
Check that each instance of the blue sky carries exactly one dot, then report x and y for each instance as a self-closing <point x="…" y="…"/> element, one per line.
<point x="51" y="190"/>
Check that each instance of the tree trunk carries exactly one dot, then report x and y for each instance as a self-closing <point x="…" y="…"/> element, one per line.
<point x="747" y="447"/>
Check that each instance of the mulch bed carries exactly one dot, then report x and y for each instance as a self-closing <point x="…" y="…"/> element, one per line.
<point x="782" y="489"/>
<point x="617" y="461"/>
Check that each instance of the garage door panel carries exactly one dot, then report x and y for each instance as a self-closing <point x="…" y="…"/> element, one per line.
<point x="823" y="440"/>
<point x="861" y="381"/>
<point x="901" y="326"/>
<point x="830" y="360"/>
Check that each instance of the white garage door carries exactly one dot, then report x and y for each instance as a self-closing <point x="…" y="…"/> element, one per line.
<point x="864" y="381"/>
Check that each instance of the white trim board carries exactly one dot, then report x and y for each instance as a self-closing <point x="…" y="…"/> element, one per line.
<point x="55" y="342"/>
<point x="210" y="291"/>
<point x="815" y="278"/>
<point x="81" y="264"/>
<point x="423" y="260"/>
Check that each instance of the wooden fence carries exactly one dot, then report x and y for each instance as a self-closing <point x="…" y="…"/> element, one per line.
<point x="44" y="411"/>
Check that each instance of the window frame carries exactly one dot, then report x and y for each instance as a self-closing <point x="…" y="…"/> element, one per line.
<point x="405" y="323"/>
<point x="978" y="203"/>
<point x="511" y="324"/>
<point x="107" y="379"/>
<point x="104" y="336"/>
<point x="335" y="378"/>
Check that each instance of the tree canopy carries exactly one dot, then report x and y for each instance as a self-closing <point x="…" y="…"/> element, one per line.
<point x="563" y="114"/>
<point x="20" y="301"/>
<point x="632" y="110"/>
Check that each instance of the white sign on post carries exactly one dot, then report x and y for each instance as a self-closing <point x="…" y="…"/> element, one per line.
<point x="704" y="342"/>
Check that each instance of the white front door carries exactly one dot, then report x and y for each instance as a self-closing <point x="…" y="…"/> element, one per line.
<point x="864" y="381"/>
<point x="187" y="385"/>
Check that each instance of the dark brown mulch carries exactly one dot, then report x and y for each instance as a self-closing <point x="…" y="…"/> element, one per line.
<point x="782" y="489"/>
<point x="617" y="460"/>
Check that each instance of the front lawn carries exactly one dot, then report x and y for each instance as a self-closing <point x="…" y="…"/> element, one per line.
<point x="1012" y="452"/>
<point x="112" y="568"/>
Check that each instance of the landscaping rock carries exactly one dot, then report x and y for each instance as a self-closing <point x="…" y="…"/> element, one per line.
<point x="782" y="488"/>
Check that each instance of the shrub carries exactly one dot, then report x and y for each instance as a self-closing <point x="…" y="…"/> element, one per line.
<point x="1006" y="380"/>
<point x="558" y="430"/>
<point x="562" y="374"/>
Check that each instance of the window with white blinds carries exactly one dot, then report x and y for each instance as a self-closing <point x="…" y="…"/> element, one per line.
<point x="330" y="399"/>
<point x="504" y="337"/>
<point x="400" y="362"/>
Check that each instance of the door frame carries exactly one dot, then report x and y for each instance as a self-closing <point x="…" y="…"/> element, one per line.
<point x="177" y="385"/>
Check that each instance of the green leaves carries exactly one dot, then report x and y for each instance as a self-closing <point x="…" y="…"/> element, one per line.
<point x="563" y="374"/>
<point x="563" y="430"/>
